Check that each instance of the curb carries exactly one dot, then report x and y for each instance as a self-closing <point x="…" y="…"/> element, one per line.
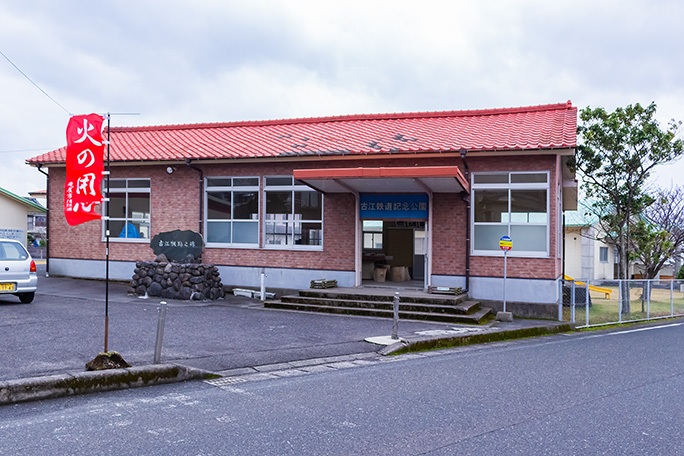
<point x="61" y="385"/>
<point x="417" y="345"/>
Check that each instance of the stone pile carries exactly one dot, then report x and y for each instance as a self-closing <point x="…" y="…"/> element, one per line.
<point x="196" y="281"/>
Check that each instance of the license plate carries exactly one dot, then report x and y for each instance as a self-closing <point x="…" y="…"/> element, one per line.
<point x="6" y="287"/>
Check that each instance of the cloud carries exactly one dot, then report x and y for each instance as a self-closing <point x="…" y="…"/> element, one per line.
<point x="213" y="61"/>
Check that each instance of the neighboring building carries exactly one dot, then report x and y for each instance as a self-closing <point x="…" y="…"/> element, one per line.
<point x="20" y="216"/>
<point x="586" y="257"/>
<point x="331" y="197"/>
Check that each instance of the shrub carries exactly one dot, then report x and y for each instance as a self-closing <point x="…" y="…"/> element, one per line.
<point x="680" y="273"/>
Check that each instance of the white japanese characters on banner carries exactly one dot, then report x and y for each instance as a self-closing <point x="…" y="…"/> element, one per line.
<point x="84" y="168"/>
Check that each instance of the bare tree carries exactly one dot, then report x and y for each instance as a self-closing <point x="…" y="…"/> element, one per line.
<point x="659" y="234"/>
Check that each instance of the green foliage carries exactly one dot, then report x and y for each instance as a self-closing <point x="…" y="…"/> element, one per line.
<point x="618" y="150"/>
<point x="616" y="154"/>
<point x="680" y="274"/>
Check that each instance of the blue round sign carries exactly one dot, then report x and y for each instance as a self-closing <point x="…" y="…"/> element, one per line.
<point x="506" y="243"/>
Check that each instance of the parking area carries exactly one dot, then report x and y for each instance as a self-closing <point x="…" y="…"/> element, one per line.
<point x="64" y="328"/>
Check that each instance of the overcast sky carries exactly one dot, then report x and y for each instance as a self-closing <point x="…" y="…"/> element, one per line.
<point x="223" y="60"/>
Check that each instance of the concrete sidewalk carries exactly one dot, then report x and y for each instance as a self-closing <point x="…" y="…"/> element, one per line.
<point x="231" y="337"/>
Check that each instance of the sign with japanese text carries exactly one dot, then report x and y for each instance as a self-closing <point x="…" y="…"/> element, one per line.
<point x="385" y="206"/>
<point x="177" y="244"/>
<point x="506" y="243"/>
<point x="84" y="168"/>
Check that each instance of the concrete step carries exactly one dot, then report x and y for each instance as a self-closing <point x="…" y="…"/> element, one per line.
<point x="465" y="308"/>
<point x="425" y="298"/>
<point x="479" y="316"/>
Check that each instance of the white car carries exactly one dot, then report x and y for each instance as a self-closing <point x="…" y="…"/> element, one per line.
<point x="18" y="275"/>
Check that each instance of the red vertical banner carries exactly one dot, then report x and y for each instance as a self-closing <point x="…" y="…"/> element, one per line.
<point x="84" y="168"/>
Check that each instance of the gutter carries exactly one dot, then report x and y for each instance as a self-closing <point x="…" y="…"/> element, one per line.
<point x="201" y="193"/>
<point x="466" y="197"/>
<point x="47" y="223"/>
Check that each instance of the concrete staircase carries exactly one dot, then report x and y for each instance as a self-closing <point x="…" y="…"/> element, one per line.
<point x="374" y="303"/>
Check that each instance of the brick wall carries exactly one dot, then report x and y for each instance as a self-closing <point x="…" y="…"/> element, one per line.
<point x="538" y="268"/>
<point x="175" y="204"/>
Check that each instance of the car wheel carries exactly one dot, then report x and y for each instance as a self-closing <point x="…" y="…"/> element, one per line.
<point x="26" y="298"/>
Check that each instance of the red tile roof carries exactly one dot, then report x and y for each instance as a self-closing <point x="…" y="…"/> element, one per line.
<point x="525" y="128"/>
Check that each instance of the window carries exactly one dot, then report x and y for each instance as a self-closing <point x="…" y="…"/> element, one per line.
<point x="129" y="208"/>
<point x="11" y="251"/>
<point x="293" y="214"/>
<point x="372" y="234"/>
<point x="232" y="208"/>
<point x="511" y="204"/>
<point x="603" y="254"/>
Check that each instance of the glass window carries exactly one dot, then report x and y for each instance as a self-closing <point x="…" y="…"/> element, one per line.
<point x="524" y="178"/>
<point x="491" y="206"/>
<point x="603" y="254"/>
<point x="501" y="178"/>
<point x="528" y="206"/>
<point x="10" y="251"/>
<point x="129" y="208"/>
<point x="372" y="234"/>
<point x="232" y="208"/>
<point x="293" y="213"/>
<point x="516" y="206"/>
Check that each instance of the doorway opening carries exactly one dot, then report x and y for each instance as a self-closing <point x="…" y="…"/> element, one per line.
<point x="393" y="253"/>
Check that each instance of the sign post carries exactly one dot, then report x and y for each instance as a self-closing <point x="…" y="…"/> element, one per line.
<point x="506" y="244"/>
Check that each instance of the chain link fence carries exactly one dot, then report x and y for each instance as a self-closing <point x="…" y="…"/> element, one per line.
<point x="593" y="303"/>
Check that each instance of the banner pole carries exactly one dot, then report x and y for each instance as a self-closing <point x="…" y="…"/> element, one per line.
<point x="106" y="334"/>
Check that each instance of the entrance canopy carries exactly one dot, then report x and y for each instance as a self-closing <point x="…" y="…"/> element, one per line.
<point x="423" y="179"/>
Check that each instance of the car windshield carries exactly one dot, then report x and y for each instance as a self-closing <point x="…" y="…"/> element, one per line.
<point x="12" y="251"/>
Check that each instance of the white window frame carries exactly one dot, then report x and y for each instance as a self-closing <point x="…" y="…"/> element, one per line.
<point x="232" y="188"/>
<point x="114" y="237"/>
<point x="510" y="186"/>
<point x="603" y="250"/>
<point x="294" y="187"/>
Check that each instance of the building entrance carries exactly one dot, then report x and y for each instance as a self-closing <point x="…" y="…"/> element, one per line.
<point x="393" y="251"/>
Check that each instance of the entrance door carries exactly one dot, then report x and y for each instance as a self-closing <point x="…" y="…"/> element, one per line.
<point x="406" y="245"/>
<point x="400" y="247"/>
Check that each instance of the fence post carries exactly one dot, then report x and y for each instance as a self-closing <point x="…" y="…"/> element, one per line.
<point x="619" y="301"/>
<point x="672" y="298"/>
<point x="560" y="302"/>
<point x="572" y="301"/>
<point x="648" y="299"/>
<point x="586" y="302"/>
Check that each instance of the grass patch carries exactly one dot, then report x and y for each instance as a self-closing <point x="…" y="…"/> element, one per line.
<point x="459" y="341"/>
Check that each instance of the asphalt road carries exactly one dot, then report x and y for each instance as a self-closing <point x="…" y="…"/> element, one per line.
<point x="64" y="328"/>
<point x="604" y="392"/>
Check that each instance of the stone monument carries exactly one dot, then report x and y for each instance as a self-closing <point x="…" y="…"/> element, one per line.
<point x="177" y="272"/>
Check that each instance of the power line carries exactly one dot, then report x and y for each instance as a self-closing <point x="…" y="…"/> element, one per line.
<point x="12" y="151"/>
<point x="38" y="87"/>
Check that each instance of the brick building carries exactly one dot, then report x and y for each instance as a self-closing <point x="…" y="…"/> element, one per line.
<point x="428" y="193"/>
